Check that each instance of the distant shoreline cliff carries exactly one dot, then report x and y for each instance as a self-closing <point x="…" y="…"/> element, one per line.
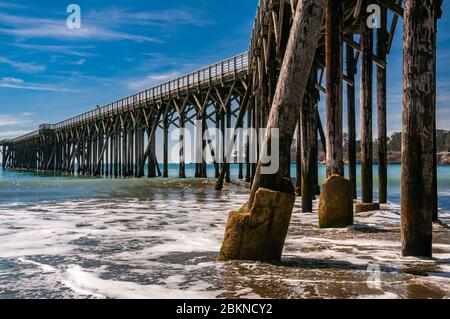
<point x="394" y="149"/>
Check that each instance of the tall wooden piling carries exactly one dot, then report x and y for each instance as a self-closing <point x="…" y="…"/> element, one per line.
<point x="151" y="163"/>
<point x="124" y="152"/>
<point x="351" y="119"/>
<point x="4" y="157"/>
<point x="435" y="162"/>
<point x="228" y="131"/>
<point x="204" y="173"/>
<point x="334" y="59"/>
<point x="308" y="131"/>
<point x="382" y="38"/>
<point x="366" y="107"/>
<point x="419" y="101"/>
<point x="298" y="155"/>
<point x="248" y="166"/>
<point x="166" y="147"/>
<point x="182" y="168"/>
<point x="217" y="146"/>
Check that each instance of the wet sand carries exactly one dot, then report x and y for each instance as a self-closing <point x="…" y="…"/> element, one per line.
<point x="142" y="241"/>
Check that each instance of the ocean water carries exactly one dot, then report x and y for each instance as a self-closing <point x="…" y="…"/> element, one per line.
<point x="28" y="187"/>
<point x="82" y="237"/>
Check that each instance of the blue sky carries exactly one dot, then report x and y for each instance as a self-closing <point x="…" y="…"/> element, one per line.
<point x="49" y="73"/>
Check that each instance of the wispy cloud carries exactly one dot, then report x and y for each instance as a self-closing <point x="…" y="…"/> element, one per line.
<point x="61" y="49"/>
<point x="15" y="125"/>
<point x="13" y="133"/>
<point x="150" y="80"/>
<point x="180" y="16"/>
<point x="79" y="62"/>
<point x="8" y="5"/>
<point x="14" y="83"/>
<point x="23" y="66"/>
<point x="9" y="120"/>
<point x="27" y="27"/>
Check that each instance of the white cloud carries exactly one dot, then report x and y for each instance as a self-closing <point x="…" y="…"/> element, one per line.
<point x="13" y="133"/>
<point x="162" y="18"/>
<point x="14" y="83"/>
<point x="27" y="27"/>
<point x="22" y="66"/>
<point x="61" y="49"/>
<point x="151" y="80"/>
<point x="8" y="120"/>
<point x="8" y="5"/>
<point x="79" y="62"/>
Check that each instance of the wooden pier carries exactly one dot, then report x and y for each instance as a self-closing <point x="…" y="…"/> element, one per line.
<point x="110" y="140"/>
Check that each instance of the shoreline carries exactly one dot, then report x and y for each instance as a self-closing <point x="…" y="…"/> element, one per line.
<point x="394" y="158"/>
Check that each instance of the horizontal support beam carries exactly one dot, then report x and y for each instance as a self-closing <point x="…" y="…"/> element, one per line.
<point x="355" y="45"/>
<point x="391" y="5"/>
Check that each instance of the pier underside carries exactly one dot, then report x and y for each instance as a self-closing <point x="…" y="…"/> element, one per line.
<point x="118" y="140"/>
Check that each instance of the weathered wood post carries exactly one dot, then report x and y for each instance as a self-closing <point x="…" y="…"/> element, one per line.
<point x="228" y="132"/>
<point x="117" y="153"/>
<point x="124" y="151"/>
<point x="198" y="145"/>
<point x="308" y="131"/>
<point x="110" y="155"/>
<point x="94" y="154"/>
<point x="298" y="156"/>
<point x="419" y="100"/>
<point x="166" y="146"/>
<point x="241" y="144"/>
<point x="223" y="140"/>
<point x="336" y="202"/>
<point x="315" y="160"/>
<point x="351" y="119"/>
<point x="152" y="156"/>
<point x="217" y="147"/>
<point x="334" y="59"/>
<point x="182" y="169"/>
<point x="382" y="38"/>
<point x="137" y="150"/>
<point x="435" y="163"/>
<point x="258" y="231"/>
<point x="248" y="165"/>
<point x="366" y="107"/>
<point x="130" y="151"/>
<point x="4" y="157"/>
<point x="204" y="173"/>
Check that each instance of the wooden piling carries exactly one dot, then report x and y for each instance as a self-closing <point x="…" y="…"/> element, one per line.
<point x="298" y="156"/>
<point x="166" y="147"/>
<point x="351" y="119"/>
<point x="366" y="107"/>
<point x="182" y="168"/>
<point x="333" y="58"/>
<point x="228" y="138"/>
<point x="382" y="38"/>
<point x="419" y="101"/>
<point x="308" y="131"/>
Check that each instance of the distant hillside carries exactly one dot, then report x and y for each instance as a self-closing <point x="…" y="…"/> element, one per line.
<point x="394" y="148"/>
<point x="442" y="141"/>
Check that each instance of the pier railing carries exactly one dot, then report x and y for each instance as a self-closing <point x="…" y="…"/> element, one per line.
<point x="233" y="66"/>
<point x="26" y="137"/>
